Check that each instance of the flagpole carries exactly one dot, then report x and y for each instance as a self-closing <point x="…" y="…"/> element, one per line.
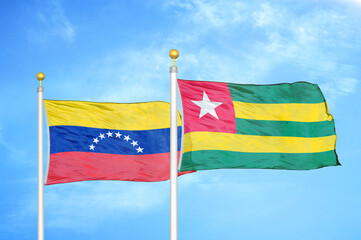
<point x="173" y="148"/>
<point x="40" y="76"/>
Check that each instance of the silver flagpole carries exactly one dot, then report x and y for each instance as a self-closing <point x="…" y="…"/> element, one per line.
<point x="173" y="148"/>
<point x="40" y="76"/>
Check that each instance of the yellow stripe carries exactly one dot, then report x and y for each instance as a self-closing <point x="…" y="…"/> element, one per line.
<point x="195" y="141"/>
<point x="129" y="116"/>
<point x="298" y="112"/>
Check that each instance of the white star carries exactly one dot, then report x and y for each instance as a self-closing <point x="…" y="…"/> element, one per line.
<point x="101" y="136"/>
<point x="207" y="106"/>
<point x="134" y="143"/>
<point x="139" y="149"/>
<point x="109" y="134"/>
<point x="96" y="140"/>
<point x="117" y="135"/>
<point x="91" y="147"/>
<point x="126" y="138"/>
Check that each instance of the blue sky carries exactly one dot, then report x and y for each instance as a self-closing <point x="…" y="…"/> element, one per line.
<point x="118" y="51"/>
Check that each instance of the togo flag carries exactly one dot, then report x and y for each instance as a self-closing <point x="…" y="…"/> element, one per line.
<point x="108" y="141"/>
<point x="281" y="126"/>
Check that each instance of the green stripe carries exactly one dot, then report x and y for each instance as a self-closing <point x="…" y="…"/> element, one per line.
<point x="285" y="128"/>
<point x="213" y="159"/>
<point x="299" y="92"/>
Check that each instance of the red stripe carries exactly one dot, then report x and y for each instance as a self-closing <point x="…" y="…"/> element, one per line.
<point x="81" y="166"/>
<point x="217" y="92"/>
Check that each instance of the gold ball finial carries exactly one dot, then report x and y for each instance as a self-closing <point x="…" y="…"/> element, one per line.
<point x="40" y="76"/>
<point x="173" y="54"/>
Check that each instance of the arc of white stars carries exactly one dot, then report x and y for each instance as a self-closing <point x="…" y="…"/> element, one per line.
<point x="117" y="135"/>
<point x="207" y="106"/>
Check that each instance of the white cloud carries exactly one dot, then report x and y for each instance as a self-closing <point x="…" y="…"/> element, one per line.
<point x="348" y="85"/>
<point x="225" y="186"/>
<point x="134" y="75"/>
<point x="312" y="42"/>
<point x="210" y="13"/>
<point x="267" y="16"/>
<point x="352" y="2"/>
<point x="12" y="150"/>
<point x="338" y="87"/>
<point x="211" y="66"/>
<point x="53" y="22"/>
<point x="305" y="41"/>
<point x="85" y="204"/>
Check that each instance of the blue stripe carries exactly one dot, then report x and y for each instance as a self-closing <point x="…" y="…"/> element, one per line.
<point x="79" y="139"/>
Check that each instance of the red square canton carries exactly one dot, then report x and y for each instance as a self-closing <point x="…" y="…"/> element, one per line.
<point x="207" y="107"/>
